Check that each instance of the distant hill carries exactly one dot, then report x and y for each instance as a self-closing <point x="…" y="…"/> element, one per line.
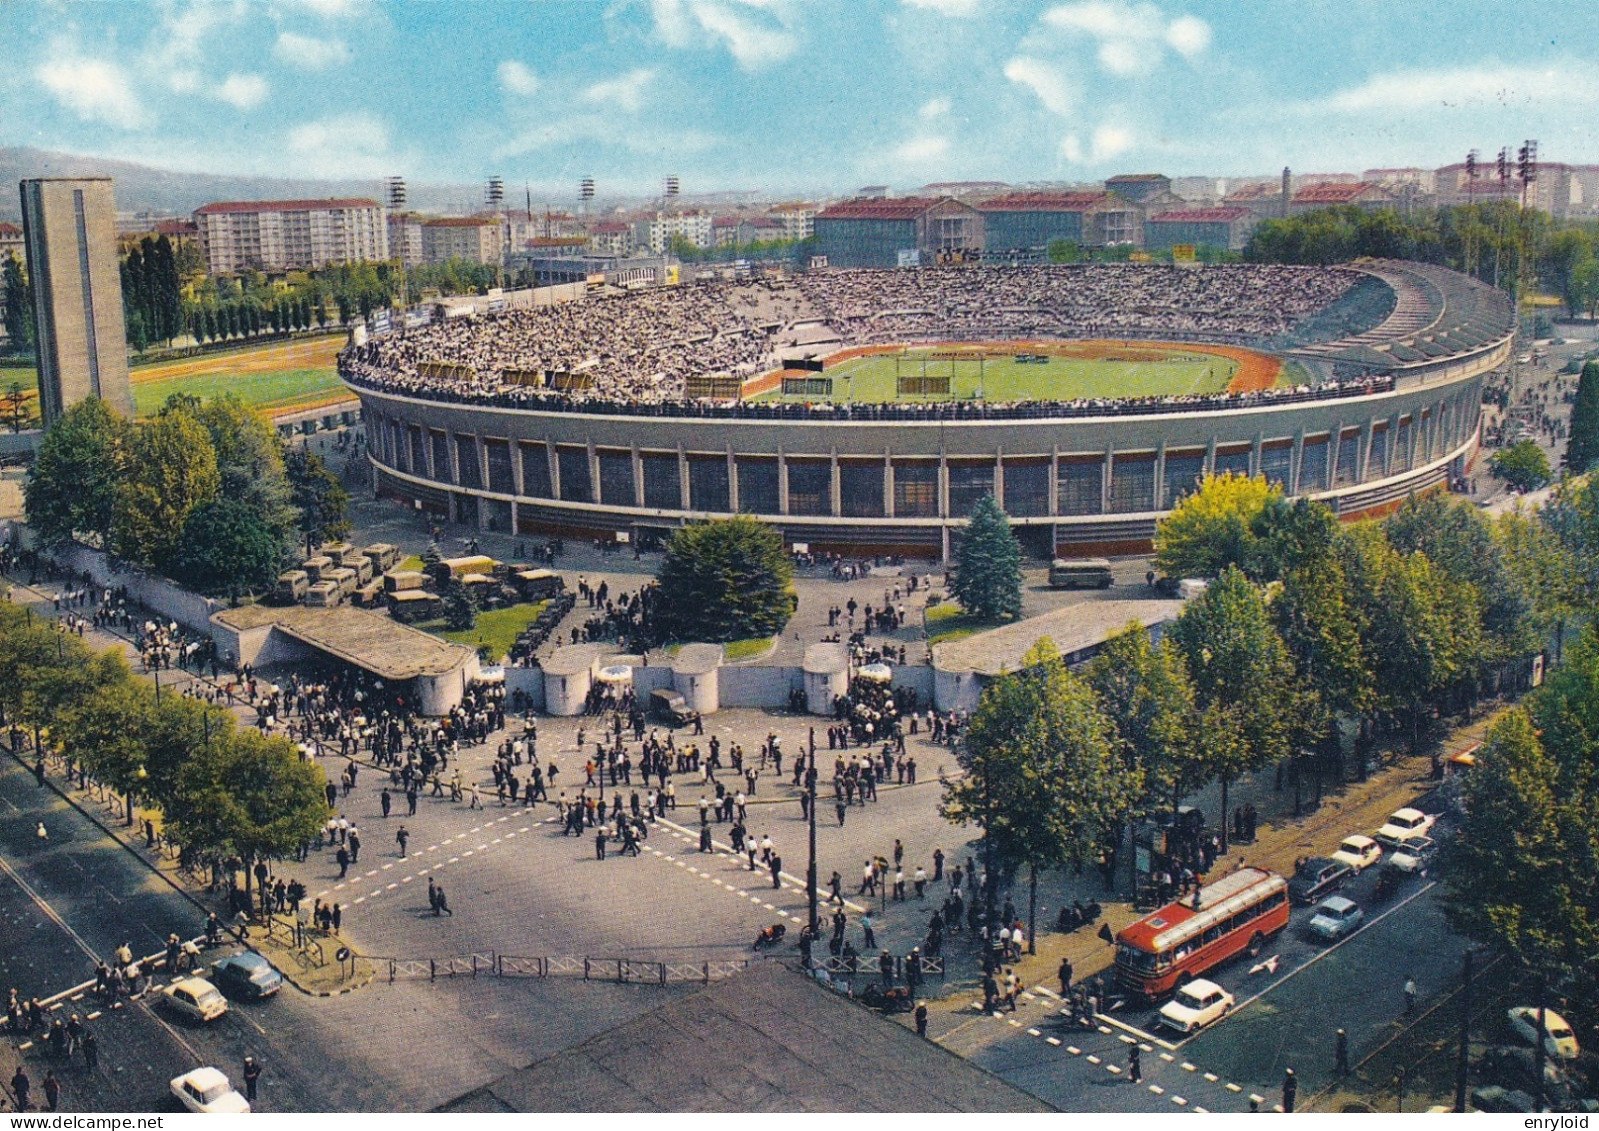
<point x="141" y="188"/>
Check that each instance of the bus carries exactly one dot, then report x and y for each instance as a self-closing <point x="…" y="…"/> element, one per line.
<point x="1083" y="573"/>
<point x="1180" y="942"/>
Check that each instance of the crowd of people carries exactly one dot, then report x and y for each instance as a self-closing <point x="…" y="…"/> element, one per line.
<point x="633" y="354"/>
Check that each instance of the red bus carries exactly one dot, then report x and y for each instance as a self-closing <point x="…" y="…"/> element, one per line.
<point x="1183" y="940"/>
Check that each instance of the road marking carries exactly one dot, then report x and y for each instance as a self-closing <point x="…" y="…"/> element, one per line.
<point x="1094" y="1060"/>
<point x="1034" y="1033"/>
<point x="1179" y="1101"/>
<point x="1123" y="1038"/>
<point x="407" y="879"/>
<point x="455" y="859"/>
<point x="1201" y="1110"/>
<point x="1134" y="1030"/>
<point x="1232" y="1087"/>
<point x="1186" y="1066"/>
<point x="93" y="1015"/>
<point x="386" y="867"/>
<point x="1052" y="1041"/>
<point x="1013" y="1024"/>
<point x="1074" y="1050"/>
<point x="361" y="900"/>
<point x="391" y="887"/>
<point x="1105" y="1030"/>
<point x="1157" y="1089"/>
<point x="1253" y="1098"/>
<point x="1168" y="1058"/>
<point x="1211" y="1076"/>
<point x="1113" y="1069"/>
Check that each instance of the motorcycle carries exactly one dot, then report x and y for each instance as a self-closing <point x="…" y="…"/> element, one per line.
<point x="770" y="936"/>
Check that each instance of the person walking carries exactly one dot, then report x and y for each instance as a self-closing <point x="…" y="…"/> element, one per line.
<point x="343" y="858"/>
<point x="1290" y="1090"/>
<point x="866" y="930"/>
<point x="1410" y="995"/>
<point x="52" y="1090"/>
<point x="385" y="801"/>
<point x="401" y="837"/>
<point x="921" y="1019"/>
<point x="777" y="868"/>
<point x="20" y="1087"/>
<point x="91" y="1049"/>
<point x="443" y="906"/>
<point x="599" y="845"/>
<point x="252" y="1074"/>
<point x="1341" y="1053"/>
<point x="1065" y="973"/>
<point x="1135" y="1067"/>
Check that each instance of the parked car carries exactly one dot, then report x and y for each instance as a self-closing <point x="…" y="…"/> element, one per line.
<point x="1359" y="852"/>
<point x="1196" y="1005"/>
<point x="1407" y="824"/>
<point x="1415" y="855"/>
<point x="1559" y="1040"/>
<point x="207" y="1091"/>
<point x="1517" y="1068"/>
<point x="1316" y="877"/>
<point x="672" y="707"/>
<point x="196" y="998"/>
<point x="1336" y="917"/>
<point x="246" y="975"/>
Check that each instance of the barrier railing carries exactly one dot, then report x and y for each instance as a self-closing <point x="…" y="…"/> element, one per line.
<point x="394" y="969"/>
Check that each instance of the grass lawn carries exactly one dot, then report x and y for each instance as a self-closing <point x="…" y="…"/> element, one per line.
<point x="948" y="621"/>
<point x="735" y="650"/>
<point x="272" y="390"/>
<point x="496" y="631"/>
<point x="1146" y="371"/>
<point x="412" y="563"/>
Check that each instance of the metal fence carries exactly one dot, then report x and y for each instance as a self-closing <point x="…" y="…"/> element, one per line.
<point x="492" y="965"/>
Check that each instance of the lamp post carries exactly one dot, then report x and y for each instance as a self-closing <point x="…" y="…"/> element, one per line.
<point x="810" y="870"/>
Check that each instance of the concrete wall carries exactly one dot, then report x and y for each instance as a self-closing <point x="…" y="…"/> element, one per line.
<point x="529" y="681"/>
<point x="190" y="610"/>
<point x="754" y="686"/>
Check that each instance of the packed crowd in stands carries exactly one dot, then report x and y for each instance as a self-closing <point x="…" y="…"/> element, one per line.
<point x="633" y="354"/>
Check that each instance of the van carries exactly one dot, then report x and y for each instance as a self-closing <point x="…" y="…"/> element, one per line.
<point x="382" y="556"/>
<point x="671" y="706"/>
<point x="1081" y="573"/>
<point x="315" y="566"/>
<point x="291" y="587"/>
<point x="344" y="578"/>
<point x="342" y="553"/>
<point x="323" y="595"/>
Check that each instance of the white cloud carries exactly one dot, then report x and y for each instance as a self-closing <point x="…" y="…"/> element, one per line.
<point x="1071" y="148"/>
<point x="244" y="92"/>
<point x="1110" y="142"/>
<point x="1454" y="88"/>
<point x="934" y="108"/>
<point x="625" y="92"/>
<point x="921" y="150"/>
<point x="1132" y="37"/>
<point x="959" y="9"/>
<point x="327" y="9"/>
<point x="93" y="89"/>
<point x="517" y="78"/>
<point x="344" y="145"/>
<point x="602" y="130"/>
<point x="1188" y="36"/>
<point x="310" y="52"/>
<point x="756" y="32"/>
<point x="1045" y="81"/>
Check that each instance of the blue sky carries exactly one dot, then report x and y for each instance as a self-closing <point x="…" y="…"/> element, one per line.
<point x="791" y="95"/>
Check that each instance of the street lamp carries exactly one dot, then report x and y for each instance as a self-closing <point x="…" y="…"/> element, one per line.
<point x="810" y="870"/>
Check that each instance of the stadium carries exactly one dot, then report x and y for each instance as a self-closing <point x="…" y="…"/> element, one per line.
<point x="866" y="411"/>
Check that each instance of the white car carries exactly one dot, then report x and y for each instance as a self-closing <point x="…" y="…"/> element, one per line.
<point x="1559" y="1041"/>
<point x="207" y="1092"/>
<point x="1414" y="855"/>
<point x="1359" y="852"/>
<point x="1407" y="824"/>
<point x="1196" y="1005"/>
<point x="196" y="999"/>
<point x="1336" y="917"/>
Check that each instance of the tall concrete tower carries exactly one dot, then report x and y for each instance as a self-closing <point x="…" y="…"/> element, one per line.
<point x="70" y="234"/>
<point x="1288" y="191"/>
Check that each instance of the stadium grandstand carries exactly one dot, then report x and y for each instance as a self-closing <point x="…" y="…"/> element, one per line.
<point x="640" y="412"/>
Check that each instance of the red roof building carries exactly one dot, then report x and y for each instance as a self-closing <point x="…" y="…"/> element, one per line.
<point x="1360" y="194"/>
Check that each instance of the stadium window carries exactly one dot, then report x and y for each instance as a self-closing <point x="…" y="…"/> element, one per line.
<point x="707" y="484"/>
<point x="1402" y="446"/>
<point x="1079" y="487"/>
<point x="573" y="464"/>
<point x="1348" y="471"/>
<point x="467" y="462"/>
<point x="1234" y="460"/>
<point x="616" y="479"/>
<point x="1132" y="485"/>
<point x="1026" y="488"/>
<point x="497" y="454"/>
<point x="969" y="482"/>
<point x="419" y="452"/>
<point x="1377" y="458"/>
<point x="810" y="487"/>
<point x="536" y="472"/>
<point x="663" y="487"/>
<point x="1183" y="472"/>
<point x="441" y="457"/>
<point x="860" y="489"/>
<point x="1313" y="466"/>
<point x="757" y="486"/>
<point x="915" y="489"/>
<point x="1277" y="463"/>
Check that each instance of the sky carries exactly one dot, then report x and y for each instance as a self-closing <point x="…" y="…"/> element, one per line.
<point x="795" y="95"/>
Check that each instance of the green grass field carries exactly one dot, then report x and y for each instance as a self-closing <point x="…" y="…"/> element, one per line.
<point x="1005" y="379"/>
<point x="258" y="390"/>
<point x="496" y="629"/>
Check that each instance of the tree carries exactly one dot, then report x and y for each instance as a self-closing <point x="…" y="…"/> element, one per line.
<point x="1145" y="691"/>
<point x="171" y="472"/>
<point x="1544" y="568"/>
<point x="1523" y="465"/>
<point x="250" y="462"/>
<point x="72" y="485"/>
<point x="322" y="502"/>
<point x="1242" y="676"/>
<point x="16" y="296"/>
<point x="1043" y="779"/>
<point x="226" y="548"/>
<point x="459" y="613"/>
<point x="987" y="578"/>
<point x="1063" y="251"/>
<point x="1213" y="528"/>
<point x="724" y="580"/>
<point x="1582" y="450"/>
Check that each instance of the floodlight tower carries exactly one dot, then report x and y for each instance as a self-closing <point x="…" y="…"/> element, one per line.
<point x="585" y="194"/>
<point x="494" y="196"/>
<point x="1527" y="167"/>
<point x="397" y="223"/>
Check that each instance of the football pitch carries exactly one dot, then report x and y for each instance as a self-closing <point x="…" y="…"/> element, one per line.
<point x="1050" y="371"/>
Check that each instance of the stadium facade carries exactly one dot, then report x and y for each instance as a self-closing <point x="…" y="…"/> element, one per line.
<point x="1075" y="482"/>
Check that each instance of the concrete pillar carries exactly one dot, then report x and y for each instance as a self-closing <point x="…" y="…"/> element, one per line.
<point x="888" y="484"/>
<point x="732" y="481"/>
<point x="594" y="474"/>
<point x="1104" y="480"/>
<point x="1160" y="475"/>
<point x="782" y="481"/>
<point x="835" y="489"/>
<point x="682" y="476"/>
<point x="1298" y="462"/>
